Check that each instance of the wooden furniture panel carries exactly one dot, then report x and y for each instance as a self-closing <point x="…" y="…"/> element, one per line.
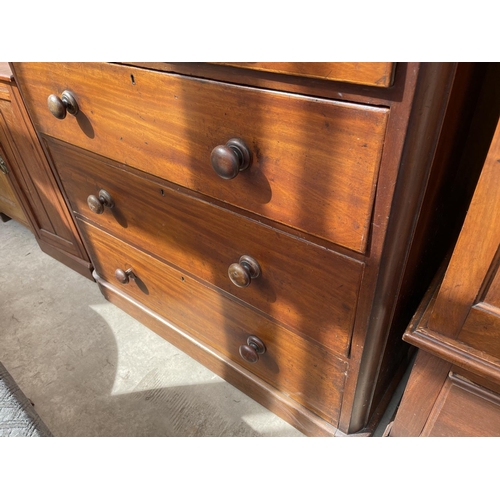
<point x="448" y="418"/>
<point x="460" y="326"/>
<point x="302" y="285"/>
<point x="372" y="73"/>
<point x="476" y="255"/>
<point x="10" y="205"/>
<point x="428" y="374"/>
<point x="315" y="162"/>
<point x="35" y="184"/>
<point x="224" y="324"/>
<point x="466" y="304"/>
<point x="334" y="206"/>
<point x="481" y="331"/>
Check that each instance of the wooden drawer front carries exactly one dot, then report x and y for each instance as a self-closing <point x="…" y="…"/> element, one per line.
<point x="306" y="287"/>
<point x="315" y="162"/>
<point x="305" y="371"/>
<point x="372" y="73"/>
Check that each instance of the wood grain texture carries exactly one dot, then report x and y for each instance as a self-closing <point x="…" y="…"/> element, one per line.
<point x="422" y="390"/>
<point x="372" y="73"/>
<point x="480" y="238"/>
<point x="434" y="84"/>
<point x="448" y="418"/>
<point x="461" y="326"/>
<point x="304" y="286"/>
<point x="481" y="330"/>
<point x="315" y="161"/>
<point x="307" y="373"/>
<point x="492" y="292"/>
<point x="469" y="356"/>
<point x="456" y="352"/>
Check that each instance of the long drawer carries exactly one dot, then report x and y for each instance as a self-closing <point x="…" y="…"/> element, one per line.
<point x="306" y="372"/>
<point x="314" y="162"/>
<point x="302" y="285"/>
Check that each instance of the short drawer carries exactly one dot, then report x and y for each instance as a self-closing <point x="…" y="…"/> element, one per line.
<point x="376" y="74"/>
<point x="302" y="285"/>
<point x="313" y="162"/>
<point x="308" y="373"/>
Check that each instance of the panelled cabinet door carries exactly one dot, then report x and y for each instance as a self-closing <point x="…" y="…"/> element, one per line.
<point x="467" y="306"/>
<point x="10" y="207"/>
<point x="40" y="202"/>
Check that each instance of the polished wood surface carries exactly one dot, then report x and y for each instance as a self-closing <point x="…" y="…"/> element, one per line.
<point x="307" y="373"/>
<point x="464" y="409"/>
<point x="473" y="360"/>
<point x="428" y="374"/>
<point x="459" y="330"/>
<point x="475" y="253"/>
<point x="372" y="73"/>
<point x="295" y="84"/>
<point x="383" y="351"/>
<point x="481" y="331"/>
<point x="305" y="286"/>
<point x="315" y="162"/>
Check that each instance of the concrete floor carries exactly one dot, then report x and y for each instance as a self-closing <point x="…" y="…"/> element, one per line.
<point x="92" y="370"/>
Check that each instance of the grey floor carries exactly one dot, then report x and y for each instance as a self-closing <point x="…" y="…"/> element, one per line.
<point x="92" y="370"/>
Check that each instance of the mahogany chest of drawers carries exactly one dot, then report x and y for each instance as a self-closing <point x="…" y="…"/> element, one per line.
<point x="261" y="216"/>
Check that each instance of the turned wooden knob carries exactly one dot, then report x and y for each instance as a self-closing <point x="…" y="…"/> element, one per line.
<point x="230" y="159"/>
<point x="124" y="276"/>
<point x="59" y="106"/>
<point x="241" y="274"/>
<point x="251" y="350"/>
<point x="97" y="203"/>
